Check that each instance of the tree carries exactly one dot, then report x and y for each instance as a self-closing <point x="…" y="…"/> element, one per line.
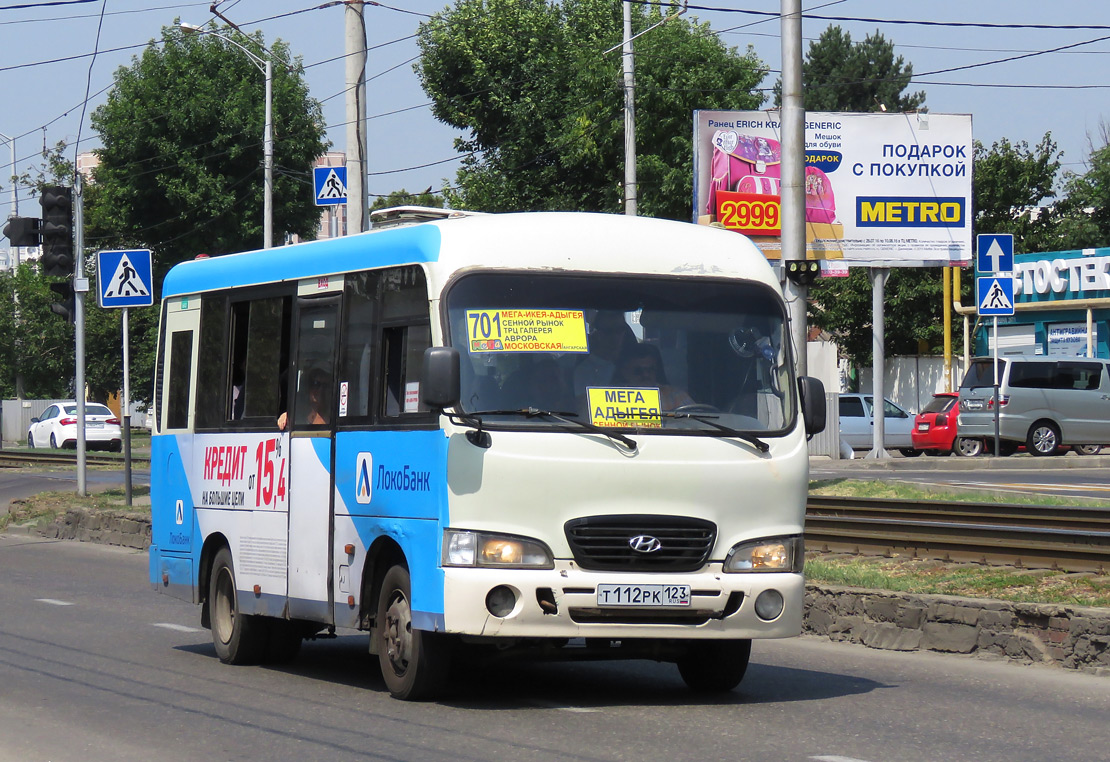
<point x="43" y="353"/>
<point x="1085" y="209"/>
<point x="1011" y="181"/>
<point x="403" y="198"/>
<point x="180" y="169"/>
<point x="543" y="105"/>
<point x="840" y="75"/>
<point x="181" y="173"/>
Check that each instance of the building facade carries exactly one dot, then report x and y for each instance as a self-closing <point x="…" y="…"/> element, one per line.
<point x="1061" y="307"/>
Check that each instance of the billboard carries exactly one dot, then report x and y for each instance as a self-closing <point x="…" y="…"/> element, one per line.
<point x="881" y="189"/>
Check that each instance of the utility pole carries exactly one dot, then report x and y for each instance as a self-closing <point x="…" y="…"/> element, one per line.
<point x="793" y="173"/>
<point x="80" y="288"/>
<point x="629" y="115"/>
<point x="358" y="218"/>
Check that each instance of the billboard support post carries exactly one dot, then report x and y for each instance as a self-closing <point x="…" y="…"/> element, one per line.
<point x="878" y="276"/>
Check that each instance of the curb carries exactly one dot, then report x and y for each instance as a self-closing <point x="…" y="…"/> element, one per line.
<point x="956" y="463"/>
<point x="1069" y="637"/>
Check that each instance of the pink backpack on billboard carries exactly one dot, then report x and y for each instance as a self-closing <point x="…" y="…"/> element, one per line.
<point x="751" y="164"/>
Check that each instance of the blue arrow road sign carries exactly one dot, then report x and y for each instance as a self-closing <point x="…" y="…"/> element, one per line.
<point x="124" y="279"/>
<point x="994" y="295"/>
<point x="994" y="253"/>
<point x="330" y="184"/>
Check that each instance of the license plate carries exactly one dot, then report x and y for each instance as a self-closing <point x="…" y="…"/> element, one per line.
<point x="973" y="405"/>
<point x="645" y="596"/>
<point x="94" y="425"/>
<point x="922" y="427"/>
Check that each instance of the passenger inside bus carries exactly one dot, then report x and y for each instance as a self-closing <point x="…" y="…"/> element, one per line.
<point x="315" y="402"/>
<point x="640" y="365"/>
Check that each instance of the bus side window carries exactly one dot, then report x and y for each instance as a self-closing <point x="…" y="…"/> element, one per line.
<point x="403" y="351"/>
<point x="260" y="331"/>
<point x="212" y="373"/>
<point x="405" y="334"/>
<point x="178" y="380"/>
<point x="358" y="350"/>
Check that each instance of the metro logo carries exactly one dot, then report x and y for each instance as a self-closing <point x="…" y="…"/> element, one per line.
<point x="364" y="467"/>
<point x="909" y="212"/>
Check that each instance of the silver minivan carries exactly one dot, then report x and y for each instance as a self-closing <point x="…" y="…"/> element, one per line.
<point x="1046" y="403"/>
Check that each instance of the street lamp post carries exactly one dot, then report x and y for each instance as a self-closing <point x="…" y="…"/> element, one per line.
<point x="15" y="198"/>
<point x="265" y="65"/>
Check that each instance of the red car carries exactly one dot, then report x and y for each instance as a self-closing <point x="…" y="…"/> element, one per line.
<point x="934" y="428"/>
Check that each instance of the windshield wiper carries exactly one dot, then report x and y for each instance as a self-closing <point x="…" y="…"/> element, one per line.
<point x="710" y="420"/>
<point x="560" y="415"/>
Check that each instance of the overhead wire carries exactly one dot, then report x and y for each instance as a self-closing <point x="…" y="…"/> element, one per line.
<point x="768" y="16"/>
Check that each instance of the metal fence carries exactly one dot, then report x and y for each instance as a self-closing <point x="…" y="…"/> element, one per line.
<point x="16" y="415"/>
<point x="828" y="441"/>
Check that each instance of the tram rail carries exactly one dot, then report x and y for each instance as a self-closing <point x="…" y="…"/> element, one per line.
<point x="1067" y="538"/>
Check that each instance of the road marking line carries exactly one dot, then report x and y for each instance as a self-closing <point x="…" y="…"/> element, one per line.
<point x="53" y="601"/>
<point x="177" y="627"/>
<point x="561" y="707"/>
<point x="836" y="758"/>
<point x="1023" y="487"/>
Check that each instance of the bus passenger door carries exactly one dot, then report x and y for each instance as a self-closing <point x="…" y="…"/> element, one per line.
<point x="311" y="423"/>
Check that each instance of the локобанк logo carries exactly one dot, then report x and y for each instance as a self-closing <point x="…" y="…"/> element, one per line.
<point x="364" y="469"/>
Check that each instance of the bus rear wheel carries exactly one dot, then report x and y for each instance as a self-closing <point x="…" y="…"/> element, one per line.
<point x="414" y="663"/>
<point x="239" y="639"/>
<point x="715" y="665"/>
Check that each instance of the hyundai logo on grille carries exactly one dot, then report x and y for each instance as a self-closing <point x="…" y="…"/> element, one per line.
<point x="644" y="543"/>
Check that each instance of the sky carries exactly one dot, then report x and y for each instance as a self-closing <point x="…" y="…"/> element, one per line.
<point x="1019" y="99"/>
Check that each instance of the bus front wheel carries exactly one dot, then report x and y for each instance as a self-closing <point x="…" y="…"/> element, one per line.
<point x="239" y="639"/>
<point x="715" y="665"/>
<point x="414" y="663"/>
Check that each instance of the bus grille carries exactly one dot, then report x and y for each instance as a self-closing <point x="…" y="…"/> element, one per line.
<point x="605" y="543"/>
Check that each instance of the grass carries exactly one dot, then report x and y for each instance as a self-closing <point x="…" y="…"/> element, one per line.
<point x="44" y="507"/>
<point x="971" y="581"/>
<point x="909" y="575"/>
<point x="905" y="491"/>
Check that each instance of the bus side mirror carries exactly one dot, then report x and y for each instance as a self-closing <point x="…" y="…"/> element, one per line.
<point x="439" y="385"/>
<point x="812" y="392"/>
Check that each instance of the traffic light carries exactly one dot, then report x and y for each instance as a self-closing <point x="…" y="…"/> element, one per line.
<point x="56" y="230"/>
<point x="66" y="304"/>
<point x="22" y="231"/>
<point x="802" y="272"/>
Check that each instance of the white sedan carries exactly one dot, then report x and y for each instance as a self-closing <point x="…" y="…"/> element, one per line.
<point x="57" y="427"/>
<point x="857" y="424"/>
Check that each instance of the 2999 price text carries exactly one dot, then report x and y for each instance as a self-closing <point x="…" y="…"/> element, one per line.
<point x="750" y="213"/>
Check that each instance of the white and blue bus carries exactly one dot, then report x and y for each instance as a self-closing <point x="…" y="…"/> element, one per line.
<point x="560" y="434"/>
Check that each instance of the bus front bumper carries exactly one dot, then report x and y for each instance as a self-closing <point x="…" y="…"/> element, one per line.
<point x="565" y="602"/>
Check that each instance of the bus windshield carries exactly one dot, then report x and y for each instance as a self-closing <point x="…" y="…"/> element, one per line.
<point x="666" y="355"/>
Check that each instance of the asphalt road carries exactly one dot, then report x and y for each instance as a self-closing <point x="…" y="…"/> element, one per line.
<point x="96" y="666"/>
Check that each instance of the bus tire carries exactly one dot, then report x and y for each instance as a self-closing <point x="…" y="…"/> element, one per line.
<point x="715" y="665"/>
<point x="239" y="639"/>
<point x="414" y="663"/>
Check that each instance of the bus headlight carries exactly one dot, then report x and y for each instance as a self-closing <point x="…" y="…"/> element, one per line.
<point x="774" y="554"/>
<point x="463" y="548"/>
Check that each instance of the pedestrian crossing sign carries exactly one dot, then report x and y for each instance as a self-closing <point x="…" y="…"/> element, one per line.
<point x="124" y="279"/>
<point x="994" y="295"/>
<point x="330" y="184"/>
